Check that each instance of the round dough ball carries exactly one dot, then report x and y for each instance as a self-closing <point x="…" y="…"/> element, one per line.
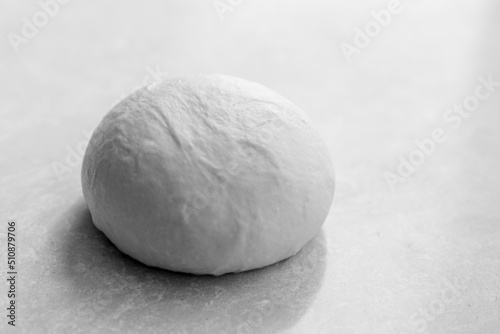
<point x="207" y="175"/>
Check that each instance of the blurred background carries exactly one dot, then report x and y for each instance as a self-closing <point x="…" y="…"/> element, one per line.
<point x="412" y="242"/>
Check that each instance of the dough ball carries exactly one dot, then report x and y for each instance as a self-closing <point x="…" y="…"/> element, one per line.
<point x="207" y="174"/>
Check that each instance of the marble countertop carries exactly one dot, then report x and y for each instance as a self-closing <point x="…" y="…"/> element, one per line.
<point x="408" y="247"/>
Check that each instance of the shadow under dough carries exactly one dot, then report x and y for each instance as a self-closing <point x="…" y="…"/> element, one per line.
<point x="115" y="292"/>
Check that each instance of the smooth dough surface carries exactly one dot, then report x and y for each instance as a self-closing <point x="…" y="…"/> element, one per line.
<point x="207" y="174"/>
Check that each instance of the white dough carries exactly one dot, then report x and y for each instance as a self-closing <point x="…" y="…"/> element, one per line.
<point x="207" y="175"/>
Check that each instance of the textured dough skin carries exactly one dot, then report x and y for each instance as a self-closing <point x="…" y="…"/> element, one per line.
<point x="207" y="175"/>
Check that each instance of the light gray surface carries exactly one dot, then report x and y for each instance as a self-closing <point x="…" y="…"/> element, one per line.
<point x="383" y="259"/>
